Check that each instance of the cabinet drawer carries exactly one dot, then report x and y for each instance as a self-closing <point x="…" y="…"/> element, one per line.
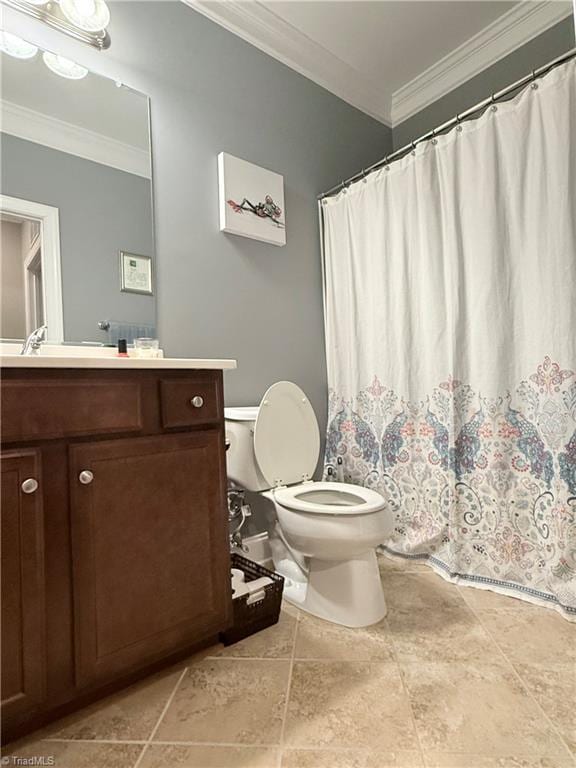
<point x="186" y="402"/>
<point x="36" y="409"/>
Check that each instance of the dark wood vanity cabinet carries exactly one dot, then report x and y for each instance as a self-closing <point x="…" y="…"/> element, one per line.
<point x="23" y="586"/>
<point x="114" y="531"/>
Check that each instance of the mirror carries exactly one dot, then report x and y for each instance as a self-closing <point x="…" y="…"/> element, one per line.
<point x="77" y="237"/>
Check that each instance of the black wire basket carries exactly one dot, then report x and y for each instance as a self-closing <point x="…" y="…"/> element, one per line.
<point x="253" y="617"/>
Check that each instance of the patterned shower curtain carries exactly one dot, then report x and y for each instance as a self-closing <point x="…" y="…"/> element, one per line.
<point x="450" y="299"/>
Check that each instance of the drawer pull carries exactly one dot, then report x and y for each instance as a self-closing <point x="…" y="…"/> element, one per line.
<point x="30" y="485"/>
<point x="197" y="401"/>
<point x="86" y="477"/>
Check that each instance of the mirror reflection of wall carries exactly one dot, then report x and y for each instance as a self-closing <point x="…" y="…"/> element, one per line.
<point x="22" y="306"/>
<point x="79" y="148"/>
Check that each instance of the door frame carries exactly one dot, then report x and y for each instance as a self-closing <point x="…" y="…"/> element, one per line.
<point x="49" y="218"/>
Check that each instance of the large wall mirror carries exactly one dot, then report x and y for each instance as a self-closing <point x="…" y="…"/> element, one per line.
<point x="77" y="248"/>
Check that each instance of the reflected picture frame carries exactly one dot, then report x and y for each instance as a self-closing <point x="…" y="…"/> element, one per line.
<point x="136" y="273"/>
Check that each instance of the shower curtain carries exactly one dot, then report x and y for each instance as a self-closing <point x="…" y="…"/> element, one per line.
<point x="450" y="305"/>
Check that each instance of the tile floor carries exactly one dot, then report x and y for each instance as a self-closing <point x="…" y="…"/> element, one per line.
<point x="452" y="678"/>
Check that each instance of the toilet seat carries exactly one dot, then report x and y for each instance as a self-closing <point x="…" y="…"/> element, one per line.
<point x="286" y="435"/>
<point x="329" y="498"/>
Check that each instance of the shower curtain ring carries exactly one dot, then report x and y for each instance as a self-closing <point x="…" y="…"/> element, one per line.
<point x="386" y="164"/>
<point x="458" y="123"/>
<point x="534" y="85"/>
<point x="344" y="190"/>
<point x="363" y="176"/>
<point x="414" y="148"/>
<point x="434" y="139"/>
<point x="494" y="107"/>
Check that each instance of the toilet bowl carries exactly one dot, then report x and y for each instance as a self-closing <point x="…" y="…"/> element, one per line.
<point x="326" y="533"/>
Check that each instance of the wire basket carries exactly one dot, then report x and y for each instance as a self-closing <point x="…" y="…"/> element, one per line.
<point x="253" y="617"/>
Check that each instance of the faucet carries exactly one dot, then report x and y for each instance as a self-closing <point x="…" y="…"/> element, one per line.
<point x="34" y="341"/>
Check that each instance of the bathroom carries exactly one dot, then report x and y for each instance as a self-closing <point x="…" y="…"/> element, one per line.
<point x="441" y="647"/>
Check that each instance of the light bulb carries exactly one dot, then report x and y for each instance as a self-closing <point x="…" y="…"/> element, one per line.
<point x="89" y="15"/>
<point x="64" y="67"/>
<point x="16" y="47"/>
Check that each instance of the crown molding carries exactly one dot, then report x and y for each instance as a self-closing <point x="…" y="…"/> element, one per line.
<point x="511" y="30"/>
<point x="65" y="137"/>
<point x="257" y="24"/>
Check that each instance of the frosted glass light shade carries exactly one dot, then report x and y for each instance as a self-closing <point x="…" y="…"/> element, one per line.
<point x="16" y="47"/>
<point x="64" y="67"/>
<point x="89" y="15"/>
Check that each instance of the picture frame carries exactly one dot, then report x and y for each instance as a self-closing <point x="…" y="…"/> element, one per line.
<point x="135" y="273"/>
<point x="251" y="200"/>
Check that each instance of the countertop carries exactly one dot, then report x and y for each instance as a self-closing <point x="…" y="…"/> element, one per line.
<point x="53" y="356"/>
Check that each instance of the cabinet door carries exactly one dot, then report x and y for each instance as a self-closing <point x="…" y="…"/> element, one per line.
<point x="149" y="549"/>
<point x="23" y="634"/>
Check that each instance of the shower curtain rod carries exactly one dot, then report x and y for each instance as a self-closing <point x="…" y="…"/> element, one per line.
<point x="400" y="153"/>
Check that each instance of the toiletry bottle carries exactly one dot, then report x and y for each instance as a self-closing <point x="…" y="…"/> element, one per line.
<point x="122" y="348"/>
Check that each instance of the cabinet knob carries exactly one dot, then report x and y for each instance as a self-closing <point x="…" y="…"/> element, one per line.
<point x="29" y="485"/>
<point x="197" y="401"/>
<point x="86" y="477"/>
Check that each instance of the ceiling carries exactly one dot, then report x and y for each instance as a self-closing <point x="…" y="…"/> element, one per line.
<point x="389" y="58"/>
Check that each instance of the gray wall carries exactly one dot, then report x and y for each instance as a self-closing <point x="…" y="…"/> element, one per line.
<point x="102" y="210"/>
<point x="221" y="295"/>
<point x="534" y="54"/>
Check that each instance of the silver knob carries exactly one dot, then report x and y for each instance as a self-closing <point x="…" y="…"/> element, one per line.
<point x="30" y="485"/>
<point x="86" y="477"/>
<point x="197" y="401"/>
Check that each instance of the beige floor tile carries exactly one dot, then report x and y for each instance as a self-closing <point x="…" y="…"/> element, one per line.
<point x="172" y="756"/>
<point x="431" y="634"/>
<point x="534" y="636"/>
<point x="237" y="701"/>
<point x="130" y="714"/>
<point x="349" y="758"/>
<point x="411" y="759"/>
<point x="402" y="564"/>
<point x="72" y="754"/>
<point x="450" y="760"/>
<point x="290" y="609"/>
<point x="487" y="599"/>
<point x="321" y="640"/>
<point x="275" y="642"/>
<point x="420" y="591"/>
<point x="479" y="709"/>
<point x="554" y="688"/>
<point x="323" y="758"/>
<point x="348" y="704"/>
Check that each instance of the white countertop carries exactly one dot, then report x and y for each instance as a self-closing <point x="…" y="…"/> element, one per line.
<point x="52" y="361"/>
<point x="53" y="356"/>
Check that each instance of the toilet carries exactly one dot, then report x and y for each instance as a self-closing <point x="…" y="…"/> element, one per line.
<point x="325" y="534"/>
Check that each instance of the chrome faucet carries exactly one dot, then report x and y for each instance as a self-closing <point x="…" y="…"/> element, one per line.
<point x="34" y="341"/>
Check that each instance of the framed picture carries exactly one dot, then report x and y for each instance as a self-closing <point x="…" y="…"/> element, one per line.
<point x="135" y="273"/>
<point x="251" y="200"/>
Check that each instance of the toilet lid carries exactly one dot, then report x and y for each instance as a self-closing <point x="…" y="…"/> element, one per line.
<point x="286" y="435"/>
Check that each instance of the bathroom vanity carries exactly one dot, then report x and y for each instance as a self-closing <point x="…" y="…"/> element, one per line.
<point x="114" y="525"/>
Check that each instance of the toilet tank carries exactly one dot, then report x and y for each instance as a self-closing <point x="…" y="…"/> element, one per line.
<point x="241" y="464"/>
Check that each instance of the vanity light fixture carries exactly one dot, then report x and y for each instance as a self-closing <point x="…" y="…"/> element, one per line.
<point x="84" y="20"/>
<point x="63" y="66"/>
<point x="89" y="15"/>
<point x="16" y="47"/>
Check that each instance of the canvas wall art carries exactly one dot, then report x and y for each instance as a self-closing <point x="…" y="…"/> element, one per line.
<point x="251" y="200"/>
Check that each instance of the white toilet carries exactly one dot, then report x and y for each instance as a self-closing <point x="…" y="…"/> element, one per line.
<point x="326" y="533"/>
